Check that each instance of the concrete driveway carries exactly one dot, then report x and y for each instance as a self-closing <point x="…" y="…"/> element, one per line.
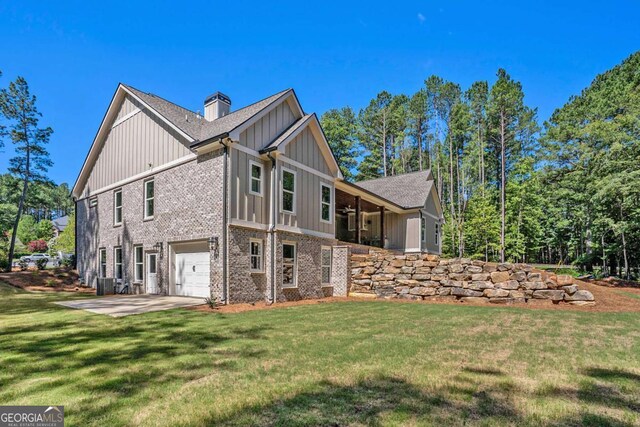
<point x="125" y="305"/>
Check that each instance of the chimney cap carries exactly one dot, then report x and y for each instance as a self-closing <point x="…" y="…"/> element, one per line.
<point x="217" y="96"/>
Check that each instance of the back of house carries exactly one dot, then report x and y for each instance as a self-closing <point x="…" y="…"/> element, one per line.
<point x="239" y="206"/>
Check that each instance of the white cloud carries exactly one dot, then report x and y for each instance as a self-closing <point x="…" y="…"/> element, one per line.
<point x="421" y="18"/>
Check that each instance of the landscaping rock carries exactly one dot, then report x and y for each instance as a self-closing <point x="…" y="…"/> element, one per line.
<point x="422" y="291"/>
<point x="499" y="276"/>
<point x="579" y="296"/>
<point x="460" y="292"/>
<point x="520" y="276"/>
<point x="581" y="303"/>
<point x="456" y="268"/>
<point x="474" y="300"/>
<point x="410" y="297"/>
<point x="496" y="293"/>
<point x="474" y="269"/>
<point x="535" y="285"/>
<point x="517" y="294"/>
<point x="501" y="300"/>
<point x="554" y="295"/>
<point x="571" y="289"/>
<point x="479" y="285"/>
<point x="564" y="280"/>
<point x="509" y="284"/>
<point x="480" y="276"/>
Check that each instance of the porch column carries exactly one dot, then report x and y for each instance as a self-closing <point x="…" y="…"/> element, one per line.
<point x="358" y="240"/>
<point x="382" y="230"/>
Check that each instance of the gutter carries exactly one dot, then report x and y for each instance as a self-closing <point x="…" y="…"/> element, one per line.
<point x="272" y="227"/>
<point x="75" y="230"/>
<point x="219" y="138"/>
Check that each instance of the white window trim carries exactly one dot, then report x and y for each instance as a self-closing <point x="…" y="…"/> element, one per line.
<point x="146" y="199"/>
<point x="364" y="226"/>
<point x="322" y="203"/>
<point x="282" y="190"/>
<point x="295" y="265"/>
<point x="115" y="207"/>
<point x="100" y="264"/>
<point x="351" y="226"/>
<point x="135" y="264"/>
<point x="93" y="201"/>
<point x="261" y="255"/>
<point x="115" y="263"/>
<point x="251" y="178"/>
<point x="325" y="248"/>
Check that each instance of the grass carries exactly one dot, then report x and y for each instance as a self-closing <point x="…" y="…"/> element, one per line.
<point x="351" y="363"/>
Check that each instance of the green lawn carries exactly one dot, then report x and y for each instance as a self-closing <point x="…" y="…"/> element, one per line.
<point x="351" y="363"/>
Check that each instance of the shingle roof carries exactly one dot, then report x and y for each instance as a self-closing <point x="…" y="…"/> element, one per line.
<point x="195" y="125"/>
<point x="409" y="190"/>
<point x="61" y="223"/>
<point x="290" y="130"/>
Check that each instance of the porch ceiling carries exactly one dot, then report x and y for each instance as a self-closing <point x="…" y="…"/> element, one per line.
<point x="346" y="200"/>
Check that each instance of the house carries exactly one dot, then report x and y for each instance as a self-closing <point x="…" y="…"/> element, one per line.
<point x="239" y="206"/>
<point x="59" y="224"/>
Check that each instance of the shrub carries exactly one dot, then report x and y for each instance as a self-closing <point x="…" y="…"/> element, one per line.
<point x="212" y="303"/>
<point x="3" y="264"/>
<point x="69" y="262"/>
<point x="37" y="246"/>
<point x="23" y="265"/>
<point x="50" y="283"/>
<point x="42" y="263"/>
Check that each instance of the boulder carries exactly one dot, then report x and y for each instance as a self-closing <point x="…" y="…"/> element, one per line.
<point x="478" y="285"/>
<point x="362" y="282"/>
<point x="408" y="282"/>
<point x="407" y="270"/>
<point x="505" y="266"/>
<point x="460" y="276"/>
<point x="402" y="289"/>
<point x="439" y="277"/>
<point x="509" y="284"/>
<point x="535" y="285"/>
<point x="480" y="276"/>
<point x="422" y="291"/>
<point x="439" y="270"/>
<point x="453" y="284"/>
<point x="520" y="276"/>
<point x="474" y="269"/>
<point x="499" y="276"/>
<point x="490" y="267"/>
<point x="571" y="289"/>
<point x="496" y="293"/>
<point x="460" y="292"/>
<point x="443" y="291"/>
<point x="456" y="268"/>
<point x="581" y="295"/>
<point x="517" y="294"/>
<point x="534" y="277"/>
<point x="465" y="261"/>
<point x="553" y="295"/>
<point x="423" y="270"/>
<point x="421" y="276"/>
<point x="391" y="270"/>
<point x="564" y="280"/>
<point x="581" y="303"/>
<point x="397" y="263"/>
<point x="382" y="277"/>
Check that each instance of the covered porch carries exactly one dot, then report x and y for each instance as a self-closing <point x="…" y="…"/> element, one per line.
<point x="360" y="220"/>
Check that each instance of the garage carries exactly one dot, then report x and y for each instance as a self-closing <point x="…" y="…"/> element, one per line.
<point x="191" y="270"/>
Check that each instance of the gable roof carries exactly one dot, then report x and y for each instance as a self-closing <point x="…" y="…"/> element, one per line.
<point x="288" y="134"/>
<point x="61" y="223"/>
<point x="409" y="190"/>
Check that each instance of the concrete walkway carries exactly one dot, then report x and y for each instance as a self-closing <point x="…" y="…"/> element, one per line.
<point x="125" y="305"/>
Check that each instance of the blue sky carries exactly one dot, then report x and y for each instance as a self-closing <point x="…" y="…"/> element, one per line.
<point x="73" y="54"/>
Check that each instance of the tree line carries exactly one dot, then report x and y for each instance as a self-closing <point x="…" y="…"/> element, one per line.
<point x="565" y="191"/>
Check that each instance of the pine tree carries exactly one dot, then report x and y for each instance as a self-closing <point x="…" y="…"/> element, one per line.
<point x="32" y="159"/>
<point x="340" y="128"/>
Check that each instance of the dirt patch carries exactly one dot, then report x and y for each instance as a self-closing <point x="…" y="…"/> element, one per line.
<point x="57" y="280"/>
<point x="607" y="300"/>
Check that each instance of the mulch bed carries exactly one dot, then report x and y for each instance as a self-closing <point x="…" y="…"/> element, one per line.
<point x="613" y="282"/>
<point x="55" y="280"/>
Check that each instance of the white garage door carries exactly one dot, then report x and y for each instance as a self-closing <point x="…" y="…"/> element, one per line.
<point x="192" y="274"/>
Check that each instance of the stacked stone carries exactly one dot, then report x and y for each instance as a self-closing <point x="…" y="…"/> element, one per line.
<point x="418" y="276"/>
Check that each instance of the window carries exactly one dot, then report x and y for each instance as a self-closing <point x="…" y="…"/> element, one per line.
<point x="351" y="221"/>
<point x="149" y="200"/>
<point x="117" y="207"/>
<point x="364" y="221"/>
<point x="117" y="262"/>
<point x="138" y="262"/>
<point x="93" y="202"/>
<point x="288" y="191"/>
<point x="423" y="229"/>
<point x="255" y="178"/>
<point x="325" y="262"/>
<point x="289" y="267"/>
<point x="325" y="203"/>
<point x="102" y="262"/>
<point x="255" y="247"/>
<point x="437" y="233"/>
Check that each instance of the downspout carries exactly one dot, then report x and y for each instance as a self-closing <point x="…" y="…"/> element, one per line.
<point x="272" y="227"/>
<point x="225" y="282"/>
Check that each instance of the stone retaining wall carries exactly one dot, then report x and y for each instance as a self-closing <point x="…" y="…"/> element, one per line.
<point x="422" y="276"/>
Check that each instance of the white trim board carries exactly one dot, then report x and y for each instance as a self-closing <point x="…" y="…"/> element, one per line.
<point x="125" y="118"/>
<point x="281" y="227"/>
<point x="305" y="168"/>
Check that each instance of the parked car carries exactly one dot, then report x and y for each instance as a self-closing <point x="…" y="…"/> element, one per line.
<point x="34" y="257"/>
